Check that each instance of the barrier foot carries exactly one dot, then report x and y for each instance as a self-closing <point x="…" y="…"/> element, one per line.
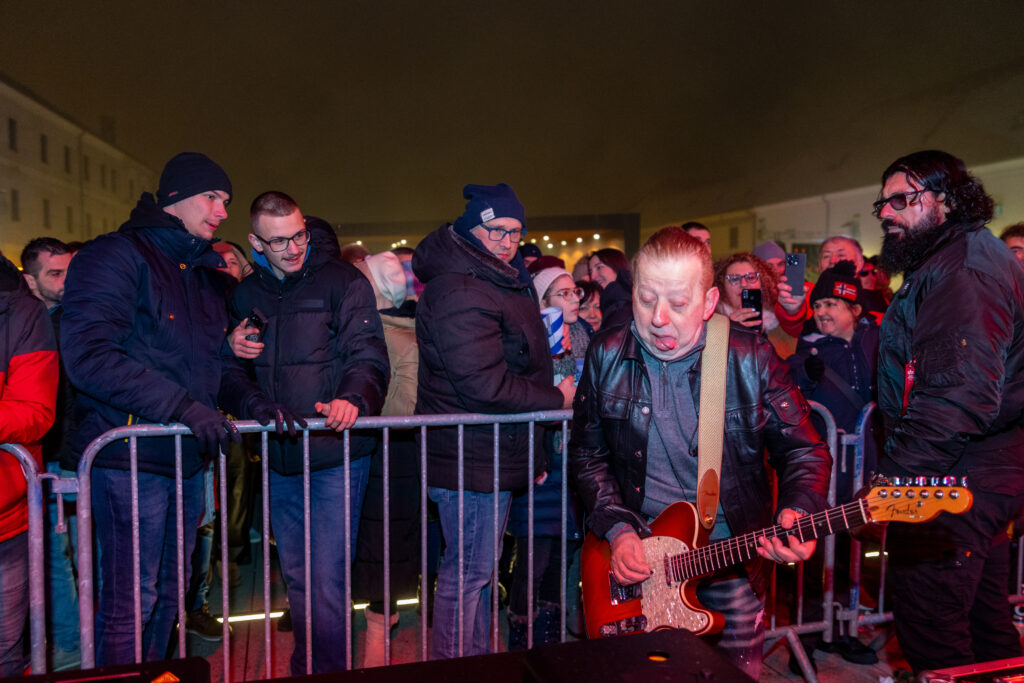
<point x="797" y="648"/>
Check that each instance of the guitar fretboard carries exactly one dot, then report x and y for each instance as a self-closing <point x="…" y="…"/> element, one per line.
<point x="715" y="556"/>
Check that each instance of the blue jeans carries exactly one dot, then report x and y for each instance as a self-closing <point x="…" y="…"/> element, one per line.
<point x="13" y="604"/>
<point x="742" y="638"/>
<point x="327" y="557"/>
<point x="62" y="600"/>
<point x="478" y="567"/>
<point x="115" y="618"/>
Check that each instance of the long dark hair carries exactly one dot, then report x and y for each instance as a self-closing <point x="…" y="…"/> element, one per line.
<point x="942" y="172"/>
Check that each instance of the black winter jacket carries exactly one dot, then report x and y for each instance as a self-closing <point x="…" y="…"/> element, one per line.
<point x="324" y="340"/>
<point x="763" y="409"/>
<point x="483" y="349"/>
<point x="960" y="317"/>
<point x="144" y="317"/>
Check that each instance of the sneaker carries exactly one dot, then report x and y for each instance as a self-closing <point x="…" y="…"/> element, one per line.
<point x="284" y="624"/>
<point x="202" y="624"/>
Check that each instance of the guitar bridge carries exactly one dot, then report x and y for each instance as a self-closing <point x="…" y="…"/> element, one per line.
<point x="619" y="593"/>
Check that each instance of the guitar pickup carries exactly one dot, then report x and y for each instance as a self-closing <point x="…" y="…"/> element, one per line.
<point x="618" y="593"/>
<point x="624" y="627"/>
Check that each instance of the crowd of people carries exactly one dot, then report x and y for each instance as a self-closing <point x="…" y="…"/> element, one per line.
<point x="160" y="322"/>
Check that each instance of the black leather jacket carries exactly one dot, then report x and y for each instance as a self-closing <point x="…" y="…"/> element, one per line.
<point x="763" y="409"/>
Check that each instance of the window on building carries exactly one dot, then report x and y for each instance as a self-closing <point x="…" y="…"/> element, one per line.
<point x="67" y="159"/>
<point x="131" y="188"/>
<point x="85" y="167"/>
<point x="734" y="237"/>
<point x="12" y="135"/>
<point x="113" y="180"/>
<point x="71" y="219"/>
<point x="46" y="213"/>
<point x="15" y="205"/>
<point x="44" y="152"/>
<point x="88" y="225"/>
<point x="103" y="175"/>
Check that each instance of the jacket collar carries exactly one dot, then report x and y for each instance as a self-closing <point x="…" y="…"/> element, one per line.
<point x="169" y="235"/>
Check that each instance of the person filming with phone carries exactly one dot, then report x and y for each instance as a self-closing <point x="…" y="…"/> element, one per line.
<point x="750" y="289"/>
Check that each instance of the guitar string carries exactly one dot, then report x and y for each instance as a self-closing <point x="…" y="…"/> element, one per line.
<point x="703" y="560"/>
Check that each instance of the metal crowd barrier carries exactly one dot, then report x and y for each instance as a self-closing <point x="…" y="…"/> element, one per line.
<point x="385" y="424"/>
<point x="36" y="571"/>
<point x="838" y="443"/>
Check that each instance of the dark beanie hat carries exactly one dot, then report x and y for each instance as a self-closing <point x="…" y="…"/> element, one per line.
<point x="838" y="282"/>
<point x="530" y="249"/>
<point x="487" y="202"/>
<point x="187" y="175"/>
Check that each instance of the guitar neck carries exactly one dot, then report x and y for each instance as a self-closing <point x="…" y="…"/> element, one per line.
<point x="721" y="554"/>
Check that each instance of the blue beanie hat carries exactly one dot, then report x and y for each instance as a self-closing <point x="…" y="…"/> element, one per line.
<point x="188" y="174"/>
<point x="487" y="202"/>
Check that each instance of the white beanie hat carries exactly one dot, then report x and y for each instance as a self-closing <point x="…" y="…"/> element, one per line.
<point x="542" y="279"/>
<point x="388" y="276"/>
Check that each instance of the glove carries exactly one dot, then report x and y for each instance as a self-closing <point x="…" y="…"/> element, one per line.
<point x="814" y="366"/>
<point x="212" y="430"/>
<point x="263" y="411"/>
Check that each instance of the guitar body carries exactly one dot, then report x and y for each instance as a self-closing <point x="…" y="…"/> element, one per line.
<point x="657" y="603"/>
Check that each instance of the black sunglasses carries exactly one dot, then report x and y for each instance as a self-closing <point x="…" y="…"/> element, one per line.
<point x="898" y="201"/>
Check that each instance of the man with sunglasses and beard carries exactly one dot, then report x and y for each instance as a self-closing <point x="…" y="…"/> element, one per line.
<point x="951" y="390"/>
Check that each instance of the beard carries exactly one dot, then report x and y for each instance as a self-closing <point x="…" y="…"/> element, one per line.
<point x="906" y="250"/>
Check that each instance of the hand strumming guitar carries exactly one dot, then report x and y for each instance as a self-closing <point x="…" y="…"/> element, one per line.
<point x="777" y="550"/>
<point x="627" y="562"/>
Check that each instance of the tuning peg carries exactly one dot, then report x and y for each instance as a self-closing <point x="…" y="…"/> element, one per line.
<point x="920" y="481"/>
<point x="934" y="481"/>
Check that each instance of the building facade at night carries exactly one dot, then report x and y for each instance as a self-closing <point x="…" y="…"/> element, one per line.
<point x="58" y="179"/>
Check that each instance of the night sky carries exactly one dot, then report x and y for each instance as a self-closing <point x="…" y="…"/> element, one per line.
<point x="382" y="111"/>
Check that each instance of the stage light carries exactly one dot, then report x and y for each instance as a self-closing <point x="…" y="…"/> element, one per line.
<point x="596" y="236"/>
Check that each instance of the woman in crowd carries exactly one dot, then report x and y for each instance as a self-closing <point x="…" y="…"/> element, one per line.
<point x="590" y="304"/>
<point x="742" y="271"/>
<point x="555" y="288"/>
<point x="610" y="269"/>
<point x="837" y="366"/>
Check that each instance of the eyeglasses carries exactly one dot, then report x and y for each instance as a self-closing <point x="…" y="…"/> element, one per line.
<point x="866" y="272"/>
<point x="281" y="243"/>
<point x="747" y="278"/>
<point x="569" y="293"/>
<point x="498" y="234"/>
<point x="898" y="201"/>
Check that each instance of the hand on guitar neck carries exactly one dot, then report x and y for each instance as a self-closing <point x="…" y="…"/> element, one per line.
<point x="628" y="566"/>
<point x="792" y="550"/>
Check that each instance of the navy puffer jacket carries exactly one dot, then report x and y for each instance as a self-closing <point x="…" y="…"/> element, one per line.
<point x="144" y="317"/>
<point x="324" y="340"/>
<point x="483" y="349"/>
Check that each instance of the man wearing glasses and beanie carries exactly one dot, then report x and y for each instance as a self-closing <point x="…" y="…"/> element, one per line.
<point x="951" y="390"/>
<point x="321" y="352"/>
<point x="483" y="349"/>
<point x="144" y="318"/>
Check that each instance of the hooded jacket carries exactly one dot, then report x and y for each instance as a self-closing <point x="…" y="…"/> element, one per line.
<point x="144" y="317"/>
<point x="959" y="317"/>
<point x="483" y="349"/>
<point x="28" y="389"/>
<point x="324" y="341"/>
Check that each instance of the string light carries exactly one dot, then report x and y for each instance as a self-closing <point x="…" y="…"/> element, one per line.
<point x="579" y="240"/>
<point x="596" y="236"/>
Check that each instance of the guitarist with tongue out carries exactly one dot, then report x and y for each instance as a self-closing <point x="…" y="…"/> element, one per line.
<point x="650" y="393"/>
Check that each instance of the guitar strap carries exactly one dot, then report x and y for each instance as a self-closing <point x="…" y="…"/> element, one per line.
<point x="711" y="421"/>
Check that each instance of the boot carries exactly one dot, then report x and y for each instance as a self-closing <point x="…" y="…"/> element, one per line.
<point x="547" y="627"/>
<point x="516" y="633"/>
<point x="376" y="632"/>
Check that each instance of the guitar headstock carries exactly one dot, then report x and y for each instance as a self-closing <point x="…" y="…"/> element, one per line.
<point x="917" y="499"/>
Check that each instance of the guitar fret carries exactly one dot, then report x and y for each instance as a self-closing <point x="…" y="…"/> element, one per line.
<point x="828" y="521"/>
<point x="845" y="521"/>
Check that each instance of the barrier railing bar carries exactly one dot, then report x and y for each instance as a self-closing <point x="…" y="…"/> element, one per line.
<point x="496" y="546"/>
<point x="36" y="569"/>
<point x="386" y="504"/>
<point x="307" y="551"/>
<point x="133" y="460"/>
<point x="179" y="531"/>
